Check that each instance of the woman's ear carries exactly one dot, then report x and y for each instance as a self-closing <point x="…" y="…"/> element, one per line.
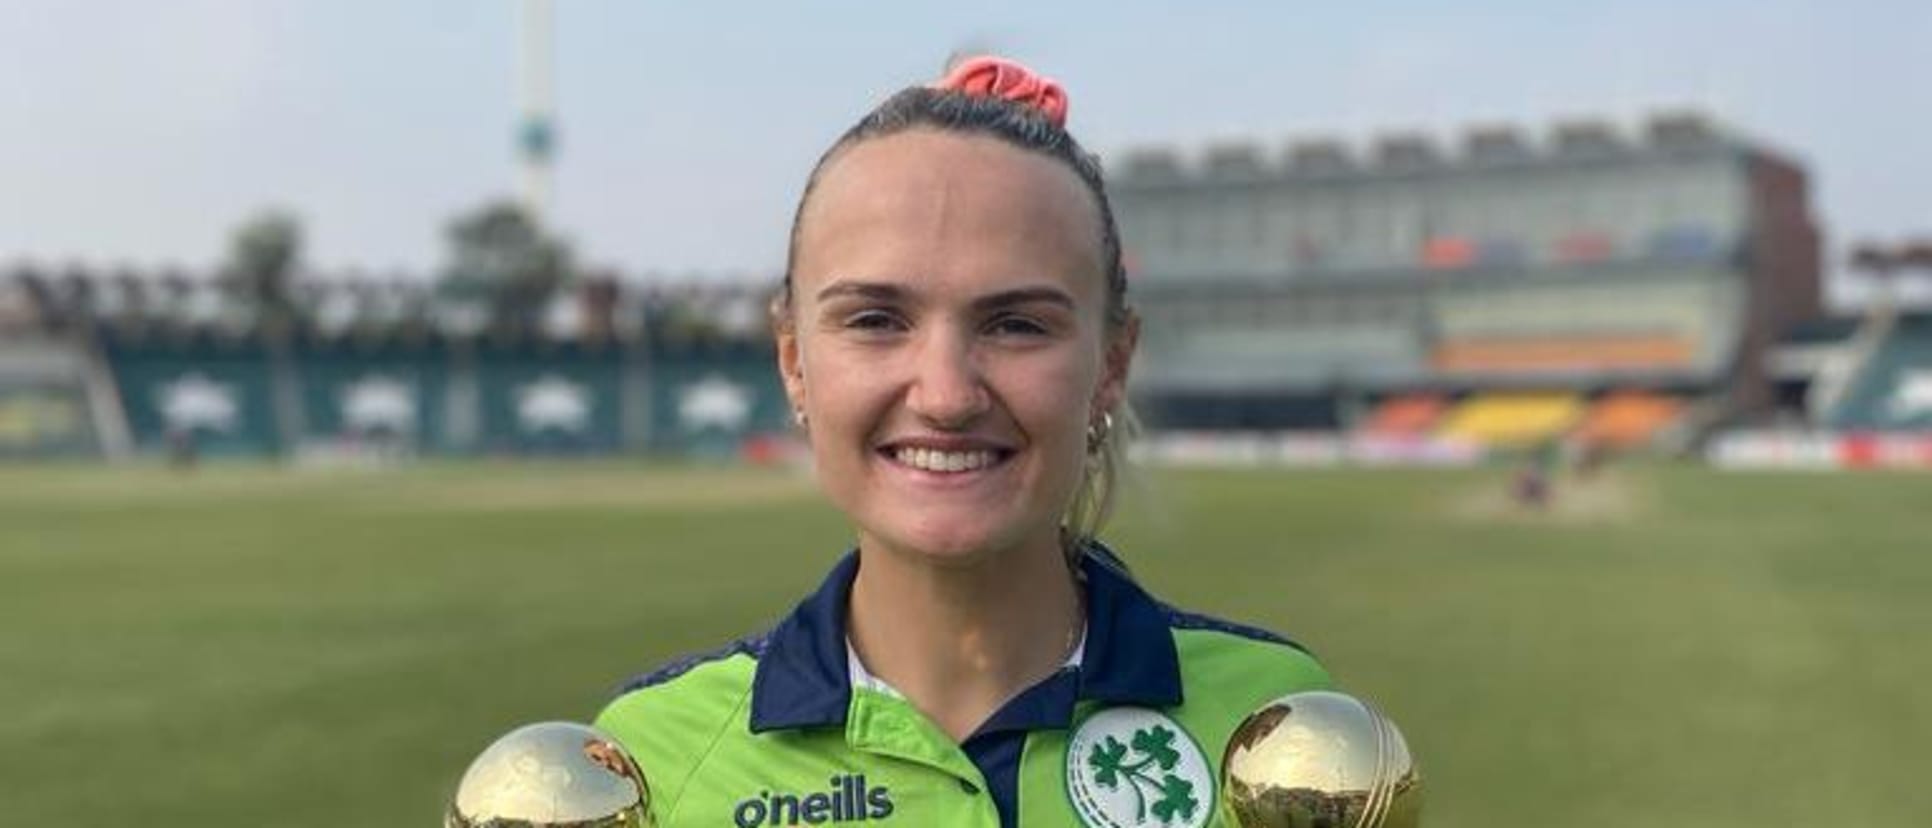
<point x="791" y="362"/>
<point x="1116" y="361"/>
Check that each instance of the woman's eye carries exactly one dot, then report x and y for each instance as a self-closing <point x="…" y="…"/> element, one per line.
<point x="1017" y="325"/>
<point x="872" y="321"/>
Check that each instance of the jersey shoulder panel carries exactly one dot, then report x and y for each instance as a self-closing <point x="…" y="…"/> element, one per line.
<point x="751" y="645"/>
<point x="671" y="719"/>
<point x="1237" y="666"/>
<point x="1180" y="619"/>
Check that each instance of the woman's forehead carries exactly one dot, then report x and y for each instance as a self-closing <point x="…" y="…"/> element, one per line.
<point x="950" y="208"/>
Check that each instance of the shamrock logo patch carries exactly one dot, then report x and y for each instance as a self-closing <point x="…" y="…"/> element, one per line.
<point x="1129" y="767"/>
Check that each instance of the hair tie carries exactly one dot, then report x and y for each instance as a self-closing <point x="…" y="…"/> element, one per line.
<point x="1007" y="80"/>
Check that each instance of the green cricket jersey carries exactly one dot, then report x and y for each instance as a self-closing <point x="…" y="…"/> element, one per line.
<point x="771" y="731"/>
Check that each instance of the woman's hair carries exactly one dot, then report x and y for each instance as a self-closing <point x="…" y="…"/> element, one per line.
<point x="1035" y="129"/>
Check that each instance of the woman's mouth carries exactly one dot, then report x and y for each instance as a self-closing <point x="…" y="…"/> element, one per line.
<point x="939" y="461"/>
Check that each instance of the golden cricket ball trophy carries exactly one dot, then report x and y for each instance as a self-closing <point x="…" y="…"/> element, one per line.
<point x="552" y="775"/>
<point x="1320" y="760"/>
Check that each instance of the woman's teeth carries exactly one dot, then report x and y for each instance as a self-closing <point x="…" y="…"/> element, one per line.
<point x="944" y="461"/>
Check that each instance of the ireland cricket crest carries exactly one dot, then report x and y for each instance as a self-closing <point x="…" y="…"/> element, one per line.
<point x="1129" y="767"/>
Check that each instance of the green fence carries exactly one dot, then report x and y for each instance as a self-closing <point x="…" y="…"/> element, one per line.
<point x="222" y="397"/>
<point x="215" y="396"/>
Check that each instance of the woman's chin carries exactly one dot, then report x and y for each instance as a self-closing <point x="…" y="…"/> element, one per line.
<point x="952" y="546"/>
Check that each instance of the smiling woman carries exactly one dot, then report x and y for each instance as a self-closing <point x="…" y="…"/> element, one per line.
<point x="954" y="336"/>
<point x="949" y="304"/>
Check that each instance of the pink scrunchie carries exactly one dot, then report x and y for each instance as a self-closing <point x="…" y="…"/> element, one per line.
<point x="1005" y="79"/>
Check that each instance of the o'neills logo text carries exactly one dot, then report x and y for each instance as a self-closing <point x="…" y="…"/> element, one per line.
<point x="849" y="800"/>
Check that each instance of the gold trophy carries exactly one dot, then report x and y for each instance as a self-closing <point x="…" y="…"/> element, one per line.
<point x="552" y="775"/>
<point x="1320" y="760"/>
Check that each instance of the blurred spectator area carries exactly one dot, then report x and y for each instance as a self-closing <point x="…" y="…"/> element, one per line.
<point x="1503" y="287"/>
<point x="1889" y="387"/>
<point x="1618" y="419"/>
<point x="1405" y="416"/>
<point x="1512" y="419"/>
<point x="1582" y="258"/>
<point x="1628" y="419"/>
<point x="117" y="361"/>
<point x="166" y="302"/>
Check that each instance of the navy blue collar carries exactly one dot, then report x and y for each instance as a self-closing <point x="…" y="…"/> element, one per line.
<point x="1129" y="659"/>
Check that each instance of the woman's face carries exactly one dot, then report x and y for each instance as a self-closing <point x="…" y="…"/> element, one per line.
<point x="948" y="342"/>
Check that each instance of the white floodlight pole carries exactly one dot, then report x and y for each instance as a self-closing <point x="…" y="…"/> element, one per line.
<point x="536" y="133"/>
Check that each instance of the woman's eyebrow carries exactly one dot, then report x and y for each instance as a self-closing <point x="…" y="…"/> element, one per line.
<point x="1021" y="296"/>
<point x="865" y="290"/>
<point x="886" y="292"/>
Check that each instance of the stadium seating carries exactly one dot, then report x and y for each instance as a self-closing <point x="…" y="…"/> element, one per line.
<point x="1656" y="301"/>
<point x="1893" y="391"/>
<point x="1234" y="357"/>
<point x="1689" y="242"/>
<point x="1405" y="416"/>
<point x="1564" y="353"/>
<point x="1584" y="246"/>
<point x="1501" y="252"/>
<point x="1627" y="419"/>
<point x="1509" y="420"/>
<point x="1208" y="410"/>
<point x="1447" y="252"/>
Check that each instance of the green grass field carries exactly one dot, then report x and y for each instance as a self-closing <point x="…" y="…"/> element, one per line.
<point x="253" y="647"/>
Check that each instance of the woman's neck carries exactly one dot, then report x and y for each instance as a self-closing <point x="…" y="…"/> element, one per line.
<point x="959" y="641"/>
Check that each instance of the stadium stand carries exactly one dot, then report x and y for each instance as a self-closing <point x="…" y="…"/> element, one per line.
<point x="1235" y="411"/>
<point x="1409" y="415"/>
<point x="116" y="363"/>
<point x="1892" y="389"/>
<point x="1802" y="357"/>
<point x="1279" y="292"/>
<point x="1667" y="258"/>
<point x="1449" y="252"/>
<point x="43" y="403"/>
<point x="1572" y="355"/>
<point x="1511" y="419"/>
<point x="1627" y="419"/>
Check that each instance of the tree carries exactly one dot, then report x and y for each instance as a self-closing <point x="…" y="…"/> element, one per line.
<point x="499" y="256"/>
<point x="263" y="256"/>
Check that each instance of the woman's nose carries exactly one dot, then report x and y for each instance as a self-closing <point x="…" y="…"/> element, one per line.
<point x="947" y="389"/>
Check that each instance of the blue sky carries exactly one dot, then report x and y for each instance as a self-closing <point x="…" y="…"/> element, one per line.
<point x="141" y="132"/>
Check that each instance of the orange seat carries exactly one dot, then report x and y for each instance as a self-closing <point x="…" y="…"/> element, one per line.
<point x="1445" y="252"/>
<point x="1405" y="416"/>
<point x="1584" y="246"/>
<point x="1628" y="418"/>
